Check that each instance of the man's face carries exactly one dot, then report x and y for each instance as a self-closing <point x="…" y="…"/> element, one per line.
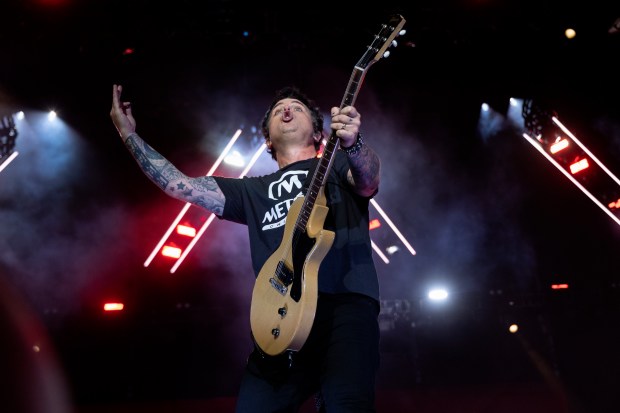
<point x="290" y="120"/>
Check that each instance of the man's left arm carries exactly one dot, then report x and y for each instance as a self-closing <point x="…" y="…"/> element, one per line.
<point x="364" y="163"/>
<point x="364" y="168"/>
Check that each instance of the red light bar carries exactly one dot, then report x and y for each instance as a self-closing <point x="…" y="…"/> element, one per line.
<point x="559" y="286"/>
<point x="186" y="230"/>
<point x="172" y="252"/>
<point x="579" y="166"/>
<point x="375" y="223"/>
<point x="558" y="146"/>
<point x="113" y="307"/>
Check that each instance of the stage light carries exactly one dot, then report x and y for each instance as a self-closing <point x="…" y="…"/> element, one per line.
<point x="579" y="166"/>
<point x="559" y="145"/>
<point x="375" y="223"/>
<point x="113" y="307"/>
<point x="559" y="286"/>
<point x="5" y="162"/>
<point x="379" y="252"/>
<point x="438" y="294"/>
<point x="234" y="159"/>
<point x="513" y="328"/>
<point x="186" y="230"/>
<point x="614" y="204"/>
<point x="170" y="251"/>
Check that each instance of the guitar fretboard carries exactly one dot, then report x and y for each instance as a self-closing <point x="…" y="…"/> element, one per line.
<point x="374" y="52"/>
<point x="331" y="146"/>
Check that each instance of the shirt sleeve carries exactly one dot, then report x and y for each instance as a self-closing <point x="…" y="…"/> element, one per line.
<point x="234" y="192"/>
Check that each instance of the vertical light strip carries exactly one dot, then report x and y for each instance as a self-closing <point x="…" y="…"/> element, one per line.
<point x="379" y="252"/>
<point x="253" y="160"/>
<point x="8" y="160"/>
<point x="219" y="160"/>
<point x="573" y="180"/>
<point x="212" y="216"/>
<point x="187" y="204"/>
<point x="603" y="167"/>
<point x="391" y="224"/>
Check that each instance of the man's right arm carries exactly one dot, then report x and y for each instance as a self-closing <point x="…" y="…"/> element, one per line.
<point x="202" y="191"/>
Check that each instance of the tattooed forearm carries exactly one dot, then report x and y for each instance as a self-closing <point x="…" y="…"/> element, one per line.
<point x="151" y="162"/>
<point x="365" y="168"/>
<point x="202" y="191"/>
<point x="206" y="194"/>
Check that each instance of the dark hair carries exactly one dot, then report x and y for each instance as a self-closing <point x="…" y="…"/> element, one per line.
<point x="291" y="92"/>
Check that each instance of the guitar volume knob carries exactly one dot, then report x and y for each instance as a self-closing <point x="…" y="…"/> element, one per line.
<point x="282" y="311"/>
<point x="275" y="332"/>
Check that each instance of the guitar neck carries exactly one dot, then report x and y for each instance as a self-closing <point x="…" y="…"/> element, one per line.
<point x="331" y="146"/>
<point x="375" y="51"/>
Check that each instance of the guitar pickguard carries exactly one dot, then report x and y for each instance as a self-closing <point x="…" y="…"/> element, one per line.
<point x="300" y="253"/>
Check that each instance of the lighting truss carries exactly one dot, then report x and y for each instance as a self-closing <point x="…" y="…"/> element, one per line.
<point x="8" y="135"/>
<point x="187" y="204"/>
<point x="212" y="216"/>
<point x="541" y="137"/>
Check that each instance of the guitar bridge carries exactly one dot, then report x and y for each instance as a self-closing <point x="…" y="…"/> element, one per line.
<point x="282" y="289"/>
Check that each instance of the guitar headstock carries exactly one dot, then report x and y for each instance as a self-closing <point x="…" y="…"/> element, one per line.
<point x="382" y="41"/>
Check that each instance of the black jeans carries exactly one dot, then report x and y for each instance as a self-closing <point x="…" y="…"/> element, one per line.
<point x="339" y="359"/>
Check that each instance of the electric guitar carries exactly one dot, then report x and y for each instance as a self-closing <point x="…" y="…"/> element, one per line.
<point x="285" y="293"/>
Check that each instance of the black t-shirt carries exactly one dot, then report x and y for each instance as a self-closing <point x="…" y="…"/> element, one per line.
<point x="262" y="203"/>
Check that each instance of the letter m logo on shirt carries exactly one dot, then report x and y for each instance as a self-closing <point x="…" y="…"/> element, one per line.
<point x="288" y="183"/>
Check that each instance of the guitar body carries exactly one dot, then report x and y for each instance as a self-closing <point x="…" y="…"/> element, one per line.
<point x="281" y="319"/>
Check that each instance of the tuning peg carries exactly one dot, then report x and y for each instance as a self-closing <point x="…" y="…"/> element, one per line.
<point x="386" y="53"/>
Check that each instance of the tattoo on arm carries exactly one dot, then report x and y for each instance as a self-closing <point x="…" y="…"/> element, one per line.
<point x="201" y="191"/>
<point x="365" y="168"/>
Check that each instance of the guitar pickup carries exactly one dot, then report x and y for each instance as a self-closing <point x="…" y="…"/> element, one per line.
<point x="279" y="287"/>
<point x="285" y="276"/>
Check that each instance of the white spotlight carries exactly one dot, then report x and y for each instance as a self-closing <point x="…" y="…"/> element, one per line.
<point x="438" y="294"/>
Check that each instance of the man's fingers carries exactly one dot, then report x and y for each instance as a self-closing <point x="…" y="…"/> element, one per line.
<point x="116" y="94"/>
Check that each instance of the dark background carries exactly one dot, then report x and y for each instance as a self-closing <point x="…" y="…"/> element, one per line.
<point x="489" y="217"/>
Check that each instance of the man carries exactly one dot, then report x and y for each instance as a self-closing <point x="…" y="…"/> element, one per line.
<point x="340" y="357"/>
